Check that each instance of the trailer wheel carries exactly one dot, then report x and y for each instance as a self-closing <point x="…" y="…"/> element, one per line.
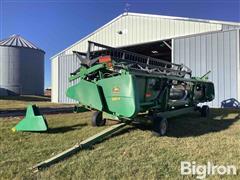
<point x="97" y="119"/>
<point x="204" y="111"/>
<point x="160" y="126"/>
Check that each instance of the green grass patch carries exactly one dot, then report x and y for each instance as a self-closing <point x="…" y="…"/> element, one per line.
<point x="132" y="153"/>
<point x="21" y="102"/>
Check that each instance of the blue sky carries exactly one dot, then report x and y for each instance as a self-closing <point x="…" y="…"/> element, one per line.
<point x="54" y="25"/>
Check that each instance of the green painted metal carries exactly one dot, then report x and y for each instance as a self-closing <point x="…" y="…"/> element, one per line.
<point x="83" y="71"/>
<point x="33" y="121"/>
<point x="79" y="91"/>
<point x="119" y="92"/>
<point x="82" y="145"/>
<point x="127" y="94"/>
<point x="131" y="84"/>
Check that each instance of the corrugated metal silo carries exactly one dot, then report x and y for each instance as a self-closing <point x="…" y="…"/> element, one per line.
<point x="21" y="67"/>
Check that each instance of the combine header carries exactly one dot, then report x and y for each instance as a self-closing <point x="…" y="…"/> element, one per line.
<point x="122" y="85"/>
<point x="127" y="87"/>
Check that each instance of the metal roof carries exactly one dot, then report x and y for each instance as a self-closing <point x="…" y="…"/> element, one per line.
<point x="185" y="18"/>
<point x="150" y="15"/>
<point x="17" y="41"/>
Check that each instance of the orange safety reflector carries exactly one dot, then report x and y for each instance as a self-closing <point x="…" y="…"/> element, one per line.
<point x="148" y="94"/>
<point x="105" y="59"/>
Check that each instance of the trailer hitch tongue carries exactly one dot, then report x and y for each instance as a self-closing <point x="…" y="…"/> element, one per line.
<point x="33" y="121"/>
<point x="77" y="147"/>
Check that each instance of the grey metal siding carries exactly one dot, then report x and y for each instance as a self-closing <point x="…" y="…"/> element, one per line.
<point x="66" y="64"/>
<point x="217" y="52"/>
<point x="21" y="71"/>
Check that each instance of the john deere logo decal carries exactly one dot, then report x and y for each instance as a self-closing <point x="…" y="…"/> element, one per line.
<point x="116" y="90"/>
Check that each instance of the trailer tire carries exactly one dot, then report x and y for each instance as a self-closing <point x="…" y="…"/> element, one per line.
<point x="97" y="119"/>
<point x="160" y="126"/>
<point x="204" y="111"/>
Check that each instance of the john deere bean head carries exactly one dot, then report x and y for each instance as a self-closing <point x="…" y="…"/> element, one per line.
<point x="123" y="85"/>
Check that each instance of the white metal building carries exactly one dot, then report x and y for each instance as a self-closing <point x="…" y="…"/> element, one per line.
<point x="202" y="45"/>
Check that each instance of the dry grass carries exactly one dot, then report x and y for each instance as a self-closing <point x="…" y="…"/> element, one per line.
<point x="21" y="102"/>
<point x="132" y="153"/>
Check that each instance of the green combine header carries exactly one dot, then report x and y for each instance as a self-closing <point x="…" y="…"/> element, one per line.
<point x="122" y="85"/>
<point x="129" y="88"/>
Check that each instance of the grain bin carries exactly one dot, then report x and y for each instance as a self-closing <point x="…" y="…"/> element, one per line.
<point x="21" y="67"/>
